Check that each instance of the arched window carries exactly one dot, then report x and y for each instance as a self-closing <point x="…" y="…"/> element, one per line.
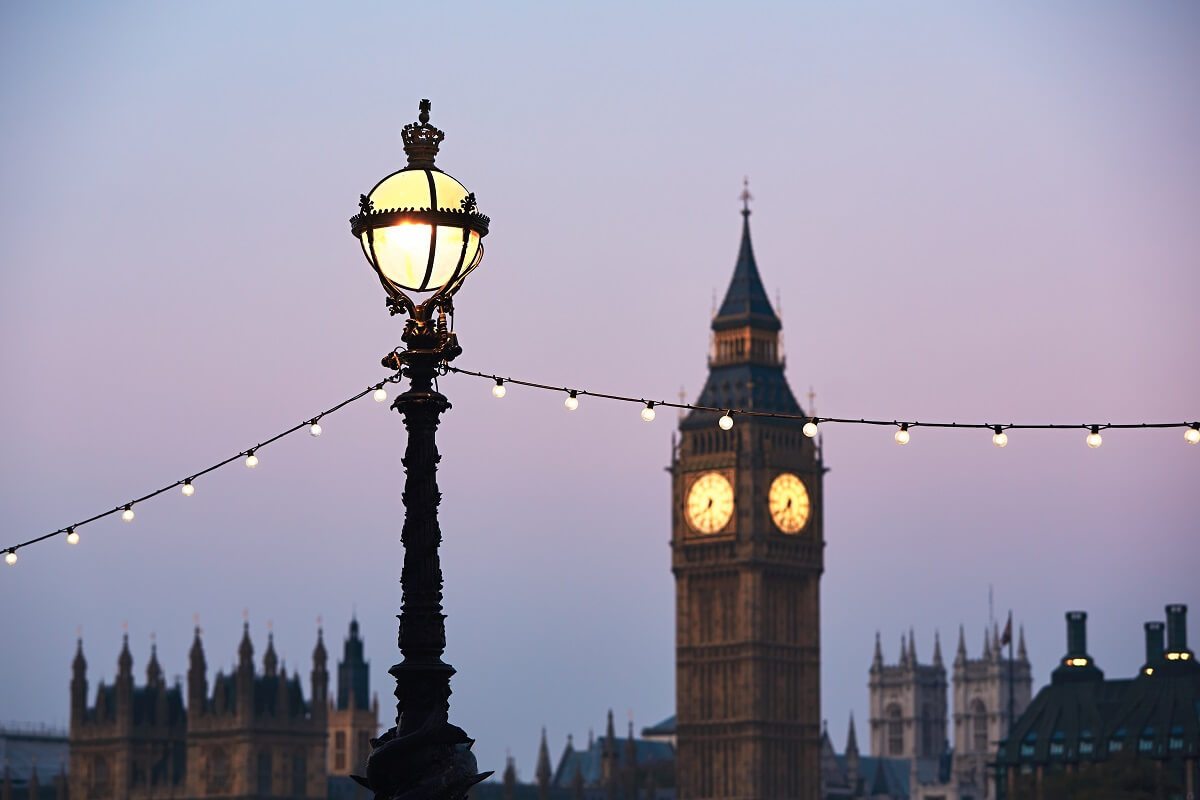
<point x="979" y="726"/>
<point x="895" y="730"/>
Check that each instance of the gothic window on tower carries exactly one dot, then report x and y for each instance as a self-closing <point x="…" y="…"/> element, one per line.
<point x="927" y="744"/>
<point x="895" y="731"/>
<point x="979" y="726"/>
<point x="339" y="750"/>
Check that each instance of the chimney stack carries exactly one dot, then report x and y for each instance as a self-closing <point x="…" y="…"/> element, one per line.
<point x="1076" y="634"/>
<point x="1177" y="628"/>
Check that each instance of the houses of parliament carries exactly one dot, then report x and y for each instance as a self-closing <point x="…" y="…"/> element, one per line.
<point x="249" y="734"/>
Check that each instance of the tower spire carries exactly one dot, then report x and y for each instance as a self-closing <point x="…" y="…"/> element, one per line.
<point x="937" y="649"/>
<point x="745" y="196"/>
<point x="877" y="661"/>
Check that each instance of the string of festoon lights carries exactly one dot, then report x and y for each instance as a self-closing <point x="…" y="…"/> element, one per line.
<point x="187" y="485"/>
<point x="725" y="422"/>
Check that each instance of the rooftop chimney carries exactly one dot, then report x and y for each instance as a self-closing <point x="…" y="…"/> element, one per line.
<point x="1076" y="665"/>
<point x="1077" y="634"/>
<point x="1176" y="628"/>
<point x="1154" y="647"/>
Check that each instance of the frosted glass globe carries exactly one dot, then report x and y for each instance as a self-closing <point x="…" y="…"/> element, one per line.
<point x="127" y="514"/>
<point x="380" y="395"/>
<point x="1192" y="436"/>
<point x="1094" y="440"/>
<point x="1000" y="439"/>
<point x="810" y="429"/>
<point x="571" y="403"/>
<point x="902" y="436"/>
<point x="10" y="558"/>
<point x="72" y="537"/>
<point x="725" y="422"/>
<point x="499" y="390"/>
<point x="188" y="489"/>
<point x="314" y="429"/>
<point x="252" y="461"/>
<point x="648" y="413"/>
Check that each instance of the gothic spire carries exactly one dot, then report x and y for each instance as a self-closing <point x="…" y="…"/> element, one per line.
<point x="937" y="649"/>
<point x="912" y="647"/>
<point x="746" y="300"/>
<point x="1021" y="656"/>
<point x="543" y="772"/>
<point x="125" y="660"/>
<point x="961" y="655"/>
<point x="903" y="651"/>
<point x="851" y="739"/>
<point x="270" y="660"/>
<point x="153" y="670"/>
<point x="246" y="650"/>
<point x="79" y="665"/>
<point x="987" y="645"/>
<point x="877" y="661"/>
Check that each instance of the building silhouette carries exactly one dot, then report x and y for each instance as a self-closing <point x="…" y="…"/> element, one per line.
<point x="1084" y="736"/>
<point x="250" y="734"/>
<point x="747" y="554"/>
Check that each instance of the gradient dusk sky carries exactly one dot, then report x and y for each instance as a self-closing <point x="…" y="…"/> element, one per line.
<point x="969" y="212"/>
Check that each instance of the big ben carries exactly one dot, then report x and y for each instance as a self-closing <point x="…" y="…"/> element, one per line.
<point x="747" y="553"/>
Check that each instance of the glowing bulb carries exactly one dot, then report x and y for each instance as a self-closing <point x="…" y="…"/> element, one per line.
<point x="1192" y="434"/>
<point x="648" y="412"/>
<point x="188" y="489"/>
<point x="314" y="429"/>
<point x="999" y="438"/>
<point x="1094" y="439"/>
<point x="902" y="436"/>
<point x="72" y="536"/>
<point x="127" y="514"/>
<point x="810" y="429"/>
<point x="380" y="395"/>
<point x="725" y="422"/>
<point x="572" y="402"/>
<point x="498" y="390"/>
<point x="10" y="557"/>
<point x="251" y="460"/>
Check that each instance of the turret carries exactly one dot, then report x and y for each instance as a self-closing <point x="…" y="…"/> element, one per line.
<point x="78" y="686"/>
<point x="270" y="660"/>
<point x="1021" y="654"/>
<point x="124" y="684"/>
<point x="244" y="698"/>
<point x="543" y="772"/>
<point x="609" y="767"/>
<point x="912" y="647"/>
<point x="937" y="650"/>
<point x="960" y="655"/>
<point x="903" y="651"/>
<point x="877" y="660"/>
<point x="852" y="757"/>
<point x="154" y="675"/>
<point x="510" y="779"/>
<point x="197" y="678"/>
<point x="320" y="677"/>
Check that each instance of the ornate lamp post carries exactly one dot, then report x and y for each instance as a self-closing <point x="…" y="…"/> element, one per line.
<point x="421" y="232"/>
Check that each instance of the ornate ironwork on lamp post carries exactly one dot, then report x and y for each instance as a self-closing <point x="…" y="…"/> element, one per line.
<point x="420" y="231"/>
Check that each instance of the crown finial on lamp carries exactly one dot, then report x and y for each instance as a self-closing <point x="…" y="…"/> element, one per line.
<point x="421" y="140"/>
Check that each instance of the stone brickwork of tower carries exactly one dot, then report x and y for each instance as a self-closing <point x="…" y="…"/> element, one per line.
<point x="353" y="716"/>
<point x="908" y="703"/>
<point x="747" y="555"/>
<point x="981" y="703"/>
<point x="130" y="744"/>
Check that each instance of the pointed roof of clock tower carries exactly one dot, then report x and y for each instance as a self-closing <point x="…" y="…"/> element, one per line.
<point x="746" y="300"/>
<point x="746" y="363"/>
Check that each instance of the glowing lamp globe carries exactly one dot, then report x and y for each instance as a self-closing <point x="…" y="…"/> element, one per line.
<point x="419" y="227"/>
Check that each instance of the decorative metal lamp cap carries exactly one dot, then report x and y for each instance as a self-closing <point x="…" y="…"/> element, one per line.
<point x="421" y="140"/>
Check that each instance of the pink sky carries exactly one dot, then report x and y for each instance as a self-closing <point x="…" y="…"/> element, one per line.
<point x="969" y="215"/>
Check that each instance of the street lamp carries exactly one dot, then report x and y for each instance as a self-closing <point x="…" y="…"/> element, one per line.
<point x="420" y="231"/>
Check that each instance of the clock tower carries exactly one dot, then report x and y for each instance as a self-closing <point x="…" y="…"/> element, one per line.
<point x="747" y="553"/>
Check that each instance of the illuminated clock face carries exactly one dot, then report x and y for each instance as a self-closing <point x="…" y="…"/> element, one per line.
<point x="789" y="504"/>
<point x="710" y="502"/>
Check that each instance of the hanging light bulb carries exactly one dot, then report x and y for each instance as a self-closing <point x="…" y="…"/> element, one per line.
<point x="902" y="436"/>
<point x="10" y="557"/>
<point x="1094" y="439"/>
<point x="648" y="411"/>
<point x="572" y="402"/>
<point x="251" y="460"/>
<point x="1192" y="434"/>
<point x="725" y="422"/>
<point x="810" y="428"/>
<point x="314" y="429"/>
<point x="498" y="390"/>
<point x="72" y="536"/>
<point x="127" y="514"/>
<point x="999" y="438"/>
<point x="188" y="489"/>
<point x="380" y="395"/>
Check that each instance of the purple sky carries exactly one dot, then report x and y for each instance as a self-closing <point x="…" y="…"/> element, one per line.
<point x="969" y="214"/>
